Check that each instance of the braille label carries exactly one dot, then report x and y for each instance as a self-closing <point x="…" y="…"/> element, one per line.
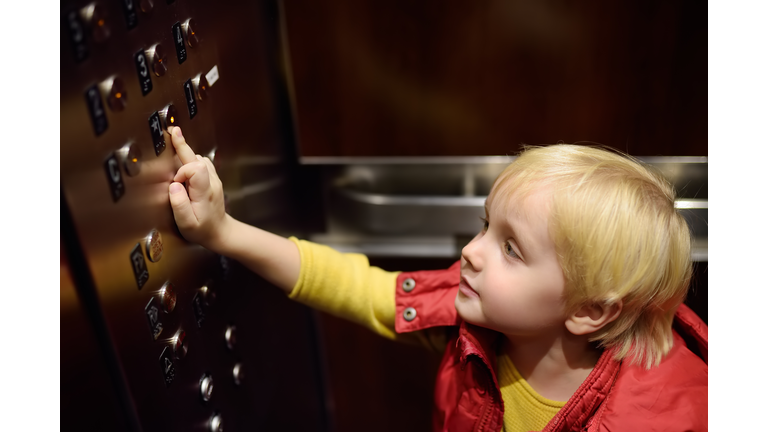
<point x="178" y="41"/>
<point x="139" y="266"/>
<point x="114" y="177"/>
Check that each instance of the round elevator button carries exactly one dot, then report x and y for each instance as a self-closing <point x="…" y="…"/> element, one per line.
<point x="169" y="116"/>
<point x="216" y="424"/>
<point x="230" y="336"/>
<point x="113" y="89"/>
<point x="409" y="314"/>
<point x="154" y="245"/>
<point x="180" y="345"/>
<point x="157" y="58"/>
<point x="206" y="387"/>
<point x="146" y="6"/>
<point x="190" y="30"/>
<point x="168" y="297"/>
<point x="409" y="284"/>
<point x="238" y="374"/>
<point x="95" y="17"/>
<point x="200" y="84"/>
<point x="130" y="154"/>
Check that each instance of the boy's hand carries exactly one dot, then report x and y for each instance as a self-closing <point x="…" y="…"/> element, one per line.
<point x="200" y="213"/>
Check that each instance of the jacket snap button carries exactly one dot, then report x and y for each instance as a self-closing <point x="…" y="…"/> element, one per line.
<point x="409" y="284"/>
<point x="409" y="314"/>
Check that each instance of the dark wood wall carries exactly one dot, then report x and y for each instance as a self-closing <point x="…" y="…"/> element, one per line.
<point x="436" y="77"/>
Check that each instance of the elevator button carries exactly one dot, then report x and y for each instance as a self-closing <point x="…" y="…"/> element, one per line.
<point x="96" y="109"/>
<point x="157" y="58"/>
<point x="216" y="424"/>
<point x="129" y="10"/>
<point x="178" y="42"/>
<point x="146" y="6"/>
<point x="168" y="297"/>
<point x="206" y="387"/>
<point x="238" y="373"/>
<point x="169" y="116"/>
<point x="130" y="158"/>
<point x="152" y="312"/>
<point x="115" y="179"/>
<point x="95" y="18"/>
<point x="230" y="336"/>
<point x="156" y="131"/>
<point x="200" y="85"/>
<point x="190" y="32"/>
<point x="167" y="366"/>
<point x="113" y="89"/>
<point x="139" y="266"/>
<point x="154" y="244"/>
<point x="142" y="70"/>
<point x="180" y="345"/>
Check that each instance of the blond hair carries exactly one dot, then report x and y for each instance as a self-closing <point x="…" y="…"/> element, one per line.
<point x="618" y="237"/>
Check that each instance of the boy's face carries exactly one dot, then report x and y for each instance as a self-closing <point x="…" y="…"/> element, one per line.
<point x="511" y="280"/>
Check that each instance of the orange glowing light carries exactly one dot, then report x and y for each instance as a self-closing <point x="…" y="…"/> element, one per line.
<point x="134" y="160"/>
<point x="118" y="95"/>
<point x="101" y="22"/>
<point x="172" y="120"/>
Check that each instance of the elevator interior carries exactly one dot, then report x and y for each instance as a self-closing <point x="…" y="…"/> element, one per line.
<point x="353" y="124"/>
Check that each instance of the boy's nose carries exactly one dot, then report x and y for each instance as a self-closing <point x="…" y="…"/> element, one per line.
<point x="471" y="253"/>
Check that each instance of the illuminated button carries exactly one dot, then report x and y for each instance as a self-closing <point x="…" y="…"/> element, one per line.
<point x="154" y="244"/>
<point x="114" y="92"/>
<point x="157" y="58"/>
<point x="200" y="84"/>
<point x="206" y="387"/>
<point x="215" y="423"/>
<point x="130" y="157"/>
<point x="95" y="18"/>
<point x="146" y="6"/>
<point x="230" y="336"/>
<point x="190" y="31"/>
<point x="238" y="374"/>
<point x="168" y="297"/>
<point x="169" y="116"/>
<point x="180" y="345"/>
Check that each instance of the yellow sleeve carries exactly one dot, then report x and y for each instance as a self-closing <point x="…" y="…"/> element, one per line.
<point x="347" y="286"/>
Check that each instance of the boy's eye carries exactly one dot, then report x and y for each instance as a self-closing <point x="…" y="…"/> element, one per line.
<point x="508" y="250"/>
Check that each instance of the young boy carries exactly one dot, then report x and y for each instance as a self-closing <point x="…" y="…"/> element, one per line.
<point x="558" y="317"/>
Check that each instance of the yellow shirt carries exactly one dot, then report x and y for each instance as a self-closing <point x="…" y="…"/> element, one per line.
<point x="347" y="286"/>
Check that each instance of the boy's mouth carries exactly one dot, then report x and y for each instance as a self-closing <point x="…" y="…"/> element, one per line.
<point x="466" y="289"/>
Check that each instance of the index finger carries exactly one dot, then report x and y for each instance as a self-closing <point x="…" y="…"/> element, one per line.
<point x="185" y="152"/>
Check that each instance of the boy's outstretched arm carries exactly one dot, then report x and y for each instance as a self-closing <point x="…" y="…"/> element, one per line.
<point x="201" y="219"/>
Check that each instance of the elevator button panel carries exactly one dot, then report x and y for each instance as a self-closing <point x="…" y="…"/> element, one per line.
<point x="115" y="179"/>
<point x="142" y="69"/>
<point x="154" y="318"/>
<point x="96" y="109"/>
<point x="178" y="41"/>
<point x="140" y="272"/>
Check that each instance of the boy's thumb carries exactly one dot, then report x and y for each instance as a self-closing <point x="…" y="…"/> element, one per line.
<point x="182" y="208"/>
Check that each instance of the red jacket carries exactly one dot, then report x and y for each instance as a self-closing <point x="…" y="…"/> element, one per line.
<point x="616" y="396"/>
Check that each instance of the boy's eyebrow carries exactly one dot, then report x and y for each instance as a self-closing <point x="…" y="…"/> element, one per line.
<point x="515" y="237"/>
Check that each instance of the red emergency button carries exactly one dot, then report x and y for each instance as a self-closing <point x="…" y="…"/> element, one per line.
<point x="180" y="345"/>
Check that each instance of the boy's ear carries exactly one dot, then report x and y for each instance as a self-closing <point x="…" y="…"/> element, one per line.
<point x="591" y="318"/>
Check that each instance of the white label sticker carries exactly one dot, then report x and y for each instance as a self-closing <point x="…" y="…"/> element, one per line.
<point x="212" y="76"/>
